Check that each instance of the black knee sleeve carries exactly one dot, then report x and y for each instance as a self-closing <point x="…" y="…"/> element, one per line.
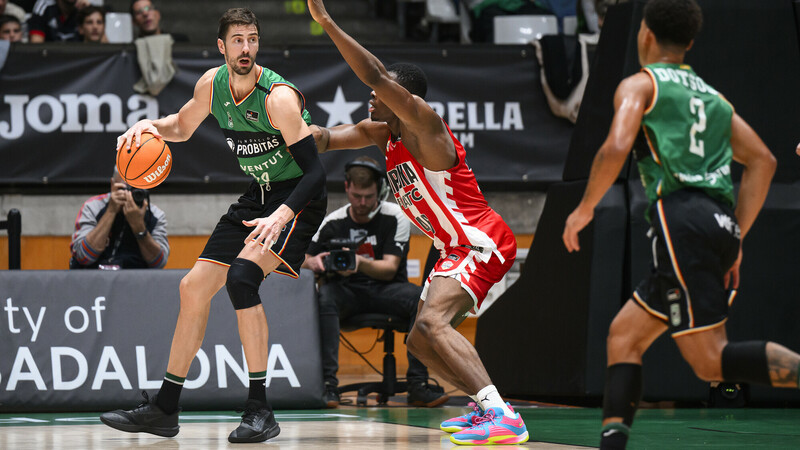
<point x="746" y="362"/>
<point x="623" y="391"/>
<point x="244" y="278"/>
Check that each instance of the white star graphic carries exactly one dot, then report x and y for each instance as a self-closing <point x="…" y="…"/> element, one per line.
<point x="339" y="110"/>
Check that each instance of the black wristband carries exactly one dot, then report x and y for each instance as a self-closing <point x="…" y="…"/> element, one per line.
<point x="305" y="154"/>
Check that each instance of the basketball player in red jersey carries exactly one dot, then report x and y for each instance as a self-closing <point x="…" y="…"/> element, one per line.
<point x="431" y="181"/>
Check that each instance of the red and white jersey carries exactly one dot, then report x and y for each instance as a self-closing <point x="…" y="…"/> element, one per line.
<point x="448" y="205"/>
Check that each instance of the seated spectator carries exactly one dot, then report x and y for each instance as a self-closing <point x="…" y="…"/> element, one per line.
<point x="92" y="24"/>
<point x="120" y="230"/>
<point x="12" y="10"/>
<point x="147" y="19"/>
<point x="10" y="28"/>
<point x="55" y="21"/>
<point x="378" y="284"/>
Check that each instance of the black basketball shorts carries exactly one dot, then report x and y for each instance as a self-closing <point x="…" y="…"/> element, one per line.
<point x="227" y="239"/>
<point x="695" y="241"/>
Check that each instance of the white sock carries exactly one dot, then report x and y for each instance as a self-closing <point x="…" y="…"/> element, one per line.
<point x="488" y="397"/>
<point x="475" y="399"/>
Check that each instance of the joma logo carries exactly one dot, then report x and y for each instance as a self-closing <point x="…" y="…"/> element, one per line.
<point x="46" y="113"/>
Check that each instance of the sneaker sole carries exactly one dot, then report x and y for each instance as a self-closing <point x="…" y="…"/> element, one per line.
<point x="453" y="429"/>
<point x="261" y="437"/>
<point x="433" y="404"/>
<point x="133" y="428"/>
<point x="496" y="440"/>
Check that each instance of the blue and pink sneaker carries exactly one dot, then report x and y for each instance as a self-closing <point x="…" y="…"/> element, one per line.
<point x="493" y="427"/>
<point x="461" y="423"/>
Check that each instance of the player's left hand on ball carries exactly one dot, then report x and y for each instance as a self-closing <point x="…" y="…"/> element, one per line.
<point x="266" y="232"/>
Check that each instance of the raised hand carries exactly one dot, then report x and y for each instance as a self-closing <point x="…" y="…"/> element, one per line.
<point x="317" y="10"/>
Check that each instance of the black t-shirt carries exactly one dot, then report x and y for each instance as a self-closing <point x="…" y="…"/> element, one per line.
<point x="386" y="234"/>
<point x="47" y="21"/>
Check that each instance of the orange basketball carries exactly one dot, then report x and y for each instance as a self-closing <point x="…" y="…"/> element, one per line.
<point x="147" y="165"/>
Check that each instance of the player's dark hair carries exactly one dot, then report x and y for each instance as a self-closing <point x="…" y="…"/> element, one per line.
<point x="673" y="22"/>
<point x="133" y="13"/>
<point x="410" y="77"/>
<point x="6" y="18"/>
<point x="365" y="174"/>
<point x="88" y="11"/>
<point x="236" y="16"/>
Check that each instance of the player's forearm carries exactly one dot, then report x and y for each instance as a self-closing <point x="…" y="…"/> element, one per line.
<point x="605" y="169"/>
<point x="170" y="129"/>
<point x="322" y="136"/>
<point x="753" y="190"/>
<point x="364" y="64"/>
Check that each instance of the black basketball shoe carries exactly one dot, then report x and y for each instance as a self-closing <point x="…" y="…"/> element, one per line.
<point x="425" y="395"/>
<point x="258" y="424"/>
<point x="145" y="418"/>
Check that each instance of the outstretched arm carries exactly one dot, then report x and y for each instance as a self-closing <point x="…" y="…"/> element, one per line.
<point x="176" y="127"/>
<point x="630" y="101"/>
<point x="408" y="107"/>
<point x="360" y="135"/>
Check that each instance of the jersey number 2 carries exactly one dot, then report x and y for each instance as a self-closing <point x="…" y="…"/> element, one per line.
<point x="698" y="109"/>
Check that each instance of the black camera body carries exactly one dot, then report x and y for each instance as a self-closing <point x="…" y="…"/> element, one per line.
<point x="340" y="260"/>
<point x="139" y="195"/>
<point x="342" y="255"/>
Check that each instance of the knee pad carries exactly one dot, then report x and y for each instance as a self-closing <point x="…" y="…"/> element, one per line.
<point x="746" y="362"/>
<point x="623" y="391"/>
<point x="244" y="278"/>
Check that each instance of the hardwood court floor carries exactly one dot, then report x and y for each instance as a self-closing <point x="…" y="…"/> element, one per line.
<point x="396" y="427"/>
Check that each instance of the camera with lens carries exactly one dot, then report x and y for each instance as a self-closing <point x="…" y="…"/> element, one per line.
<point x="342" y="255"/>
<point x="139" y="195"/>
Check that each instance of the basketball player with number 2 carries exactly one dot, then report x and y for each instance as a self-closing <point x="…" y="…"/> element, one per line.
<point x="688" y="135"/>
<point x="267" y="230"/>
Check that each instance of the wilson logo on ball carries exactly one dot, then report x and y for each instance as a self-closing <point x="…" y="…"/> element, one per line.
<point x="159" y="170"/>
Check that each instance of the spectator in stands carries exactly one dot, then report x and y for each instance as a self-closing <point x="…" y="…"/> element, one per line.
<point x="55" y="20"/>
<point x="378" y="284"/>
<point x="120" y="230"/>
<point x="12" y="10"/>
<point x="92" y="24"/>
<point x="147" y="19"/>
<point x="10" y="28"/>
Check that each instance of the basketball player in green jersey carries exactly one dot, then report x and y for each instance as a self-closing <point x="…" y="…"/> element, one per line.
<point x="691" y="133"/>
<point x="266" y="127"/>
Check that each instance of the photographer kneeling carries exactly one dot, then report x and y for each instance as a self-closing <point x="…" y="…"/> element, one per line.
<point x="119" y="230"/>
<point x="374" y="235"/>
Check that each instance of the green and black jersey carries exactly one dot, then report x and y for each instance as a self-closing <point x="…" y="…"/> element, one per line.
<point x="248" y="129"/>
<point x="687" y="127"/>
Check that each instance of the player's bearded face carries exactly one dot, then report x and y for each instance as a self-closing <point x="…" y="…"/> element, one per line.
<point x="241" y="48"/>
